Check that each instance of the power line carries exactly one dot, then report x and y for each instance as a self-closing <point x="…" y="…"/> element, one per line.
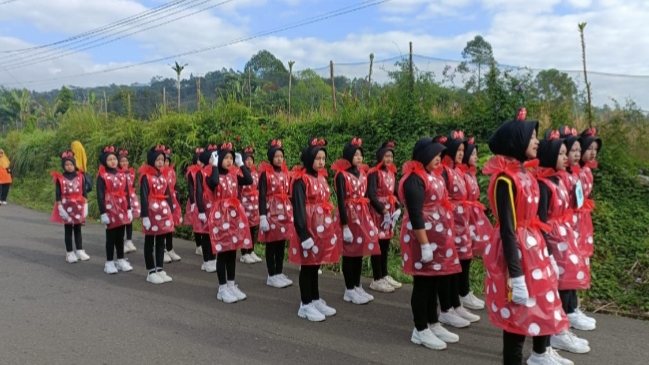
<point x="88" y="45"/>
<point x="7" y="2"/>
<point x="9" y="73"/>
<point x="319" y="18"/>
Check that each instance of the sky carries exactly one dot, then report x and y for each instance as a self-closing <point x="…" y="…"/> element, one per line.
<point x="539" y="34"/>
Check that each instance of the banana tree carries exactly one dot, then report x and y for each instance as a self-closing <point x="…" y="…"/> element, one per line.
<point x="47" y="111"/>
<point x="179" y="69"/>
<point x="21" y="105"/>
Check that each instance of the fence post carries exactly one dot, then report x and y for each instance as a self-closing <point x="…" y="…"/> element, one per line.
<point x="198" y="93"/>
<point x="412" y="74"/>
<point x="164" y="98"/>
<point x="333" y="86"/>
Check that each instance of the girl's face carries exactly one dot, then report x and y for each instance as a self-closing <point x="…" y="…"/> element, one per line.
<point x="227" y="162"/>
<point x="68" y="166"/>
<point x="249" y="162"/>
<point x="319" y="162"/>
<point x="459" y="155"/>
<point x="562" y="160"/>
<point x="473" y="160"/>
<point x="358" y="158"/>
<point x="159" y="162"/>
<point x="111" y="161"/>
<point x="590" y="154"/>
<point x="167" y="162"/>
<point x="575" y="154"/>
<point x="533" y="147"/>
<point x="278" y="159"/>
<point x="388" y="158"/>
<point x="434" y="163"/>
<point x="123" y="163"/>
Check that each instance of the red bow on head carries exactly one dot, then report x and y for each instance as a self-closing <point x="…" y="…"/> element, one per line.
<point x="160" y="148"/>
<point x="554" y="135"/>
<point x="390" y="144"/>
<point x="357" y="142"/>
<point x="471" y="140"/>
<point x="168" y="151"/>
<point x="248" y="151"/>
<point x="110" y="149"/>
<point x="67" y="154"/>
<point x="276" y="143"/>
<point x="212" y="147"/>
<point x="123" y="152"/>
<point x="441" y="140"/>
<point x="591" y="132"/>
<point x="226" y="146"/>
<point x="199" y="150"/>
<point x="574" y="132"/>
<point x="317" y="142"/>
<point x="522" y="114"/>
<point x="458" y="135"/>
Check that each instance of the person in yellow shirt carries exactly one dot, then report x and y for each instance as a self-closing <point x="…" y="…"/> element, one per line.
<point x="80" y="156"/>
<point x="5" y="177"/>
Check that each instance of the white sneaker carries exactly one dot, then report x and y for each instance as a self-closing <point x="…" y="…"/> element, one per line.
<point x="472" y="302"/>
<point x="82" y="255"/>
<point x="209" y="266"/>
<point x="580" y="323"/>
<point x="199" y="251"/>
<point x="276" y="282"/>
<point x="452" y="319"/>
<point x="464" y="313"/>
<point x="167" y="258"/>
<point x="567" y="341"/>
<point x="226" y="295"/>
<point x="254" y="256"/>
<point x="71" y="258"/>
<point x="319" y="272"/>
<point x="129" y="247"/>
<point x="543" y="359"/>
<point x="581" y="314"/>
<point x="246" y="259"/>
<point x="109" y="268"/>
<point x="355" y="297"/>
<point x="285" y="279"/>
<point x="557" y="358"/>
<point x="310" y="312"/>
<point x="123" y="265"/>
<point x="381" y="286"/>
<point x="428" y="339"/>
<point x="154" y="278"/>
<point x="364" y="293"/>
<point x="164" y="276"/>
<point x="174" y="256"/>
<point x="393" y="283"/>
<point x="323" y="308"/>
<point x="443" y="334"/>
<point x="237" y="293"/>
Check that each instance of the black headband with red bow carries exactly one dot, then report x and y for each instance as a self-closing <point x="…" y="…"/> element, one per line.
<point x="160" y="148"/>
<point x="276" y="143"/>
<point x="554" y="135"/>
<point x="109" y="149"/>
<point x="226" y="146"/>
<point x="67" y="154"/>
<point x="318" y="142"/>
<point x="212" y="147"/>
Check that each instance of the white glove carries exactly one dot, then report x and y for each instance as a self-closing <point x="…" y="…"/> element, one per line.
<point x="192" y="208"/>
<point x="395" y="217"/>
<point x="215" y="158"/>
<point x="64" y="215"/>
<point x="104" y="219"/>
<point x="181" y="220"/>
<point x="308" y="244"/>
<point x="347" y="235"/>
<point x="426" y="253"/>
<point x="202" y="217"/>
<point x="146" y="223"/>
<point x="85" y="210"/>
<point x="387" y="220"/>
<point x="519" y="291"/>
<point x="554" y="265"/>
<point x="238" y="160"/>
<point x="130" y="215"/>
<point x="263" y="224"/>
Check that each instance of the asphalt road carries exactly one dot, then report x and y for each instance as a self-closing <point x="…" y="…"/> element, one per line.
<point x="52" y="312"/>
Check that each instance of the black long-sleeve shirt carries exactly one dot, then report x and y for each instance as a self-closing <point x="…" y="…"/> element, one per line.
<point x="372" y="187"/>
<point x="244" y="180"/>
<point x="144" y="197"/>
<point x="506" y="215"/>
<point x="70" y="176"/>
<point x="341" y="193"/>
<point x="262" y="186"/>
<point x="544" y="207"/>
<point x="190" y="189"/>
<point x="298" y="200"/>
<point x="101" y="192"/>
<point x="414" y="189"/>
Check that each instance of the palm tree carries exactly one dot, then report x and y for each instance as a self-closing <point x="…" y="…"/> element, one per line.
<point x="290" y="77"/>
<point x="179" y="69"/>
<point x="47" y="111"/>
<point x="21" y="104"/>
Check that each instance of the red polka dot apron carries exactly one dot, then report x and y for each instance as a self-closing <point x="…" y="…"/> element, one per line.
<point x="279" y="210"/>
<point x="115" y="198"/>
<point x="71" y="198"/>
<point x="385" y="187"/>
<point x="480" y="228"/>
<point x="228" y="225"/>
<point x="160" y="214"/>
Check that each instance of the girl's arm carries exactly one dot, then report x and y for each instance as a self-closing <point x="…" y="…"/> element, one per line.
<point x="101" y="194"/>
<point x="262" y="193"/>
<point x="340" y="195"/>
<point x="57" y="194"/>
<point x="298" y="200"/>
<point x="190" y="189"/>
<point x="213" y="181"/>
<point x="246" y="179"/>
<point x="144" y="197"/>
<point x="414" y="190"/>
<point x="544" y="206"/>
<point x="199" y="193"/>
<point x="505" y="198"/>
<point x="372" y="185"/>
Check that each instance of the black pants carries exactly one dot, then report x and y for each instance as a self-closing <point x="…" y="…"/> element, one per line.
<point x="253" y="235"/>
<point x="424" y="300"/>
<point x="448" y="292"/>
<point x="129" y="231"/>
<point x="4" y="191"/>
<point x="352" y="268"/>
<point x="380" y="262"/>
<point x="226" y="264"/>
<point x="203" y="240"/>
<point x="464" y="285"/>
<point x="154" y="263"/>
<point x="169" y="242"/>
<point x="569" y="300"/>
<point x="68" y="229"/>
<point x="275" y="257"/>
<point x="513" y="347"/>
<point x="309" y="283"/>
<point x="115" y="242"/>
<point x="198" y="239"/>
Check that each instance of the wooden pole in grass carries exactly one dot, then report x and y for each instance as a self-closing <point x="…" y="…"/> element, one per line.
<point x="333" y="87"/>
<point x="249" y="90"/>
<point x="412" y="75"/>
<point x="198" y="93"/>
<point x="164" y="98"/>
<point x="105" y="104"/>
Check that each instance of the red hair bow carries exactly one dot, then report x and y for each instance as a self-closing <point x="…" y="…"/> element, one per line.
<point x="357" y="142"/>
<point x="226" y="146"/>
<point x="522" y="114"/>
<point x="110" y="149"/>
<point x="390" y="144"/>
<point x="276" y="143"/>
<point x="458" y="135"/>
<point x="212" y="147"/>
<point x="123" y="152"/>
<point x="471" y="140"/>
<point x="441" y="140"/>
<point x="554" y="135"/>
<point x="591" y="132"/>
<point x="168" y="151"/>
<point x="248" y="151"/>
<point x="316" y="142"/>
<point x="67" y="154"/>
<point x="199" y="150"/>
<point x="160" y="148"/>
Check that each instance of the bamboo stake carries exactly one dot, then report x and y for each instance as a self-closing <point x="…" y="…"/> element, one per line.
<point x="333" y="87"/>
<point x="198" y="93"/>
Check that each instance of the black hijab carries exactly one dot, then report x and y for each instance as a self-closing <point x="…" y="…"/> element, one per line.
<point x="68" y="156"/>
<point x="588" y="137"/>
<point x="569" y="134"/>
<point x="426" y="149"/>
<point x="470" y="146"/>
<point x="350" y="149"/>
<point x="309" y="153"/>
<point x="224" y="150"/>
<point x="207" y="153"/>
<point x="549" y="149"/>
<point x="107" y="151"/>
<point x="153" y="154"/>
<point x="512" y="138"/>
<point x="453" y="142"/>
<point x="383" y="149"/>
<point x="274" y="146"/>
